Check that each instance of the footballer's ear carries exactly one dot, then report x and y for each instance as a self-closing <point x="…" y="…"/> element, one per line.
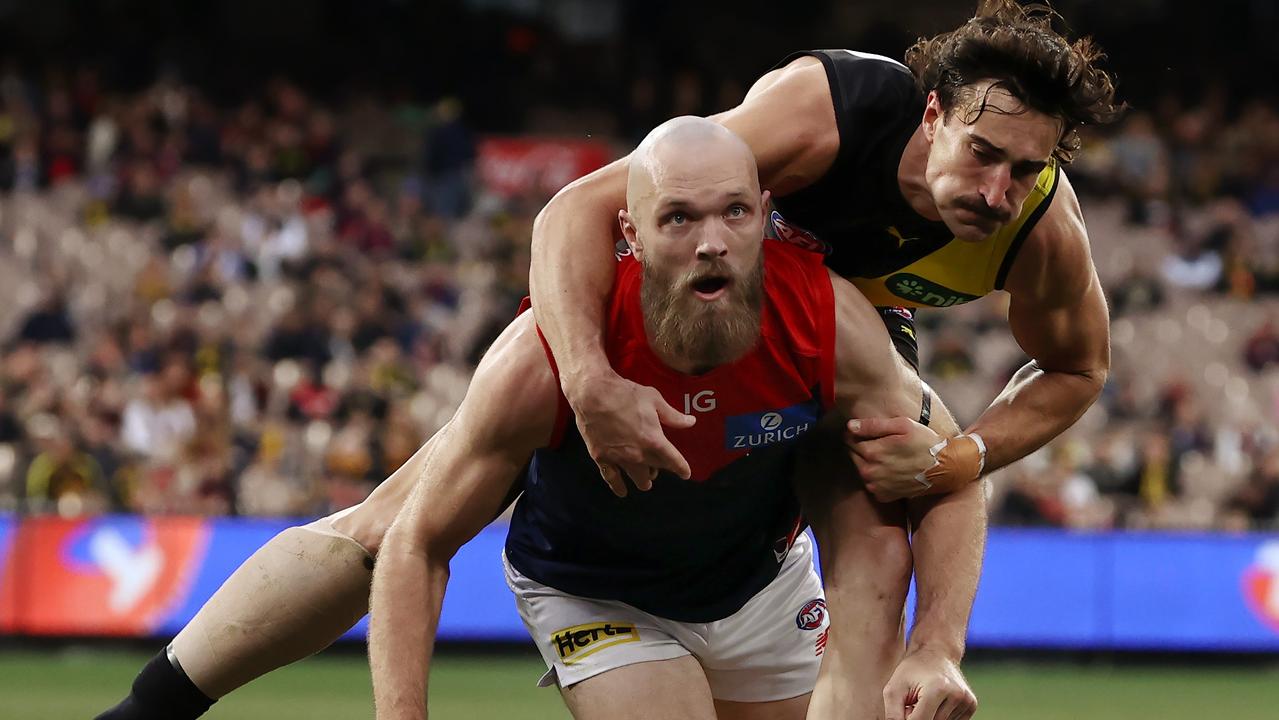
<point x="631" y="233"/>
<point x="933" y="116"/>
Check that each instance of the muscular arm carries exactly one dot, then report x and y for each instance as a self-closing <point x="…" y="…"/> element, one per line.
<point x="948" y="541"/>
<point x="508" y="412"/>
<point x="871" y="380"/>
<point x="1058" y="315"/>
<point x="572" y="260"/>
<point x="949" y="531"/>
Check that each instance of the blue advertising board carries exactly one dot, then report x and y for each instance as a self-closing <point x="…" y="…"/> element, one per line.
<point x="1039" y="588"/>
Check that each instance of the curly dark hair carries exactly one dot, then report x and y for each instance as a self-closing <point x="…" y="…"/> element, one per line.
<point x="1016" y="47"/>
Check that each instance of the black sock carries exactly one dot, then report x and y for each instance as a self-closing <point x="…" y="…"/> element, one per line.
<point x="160" y="692"/>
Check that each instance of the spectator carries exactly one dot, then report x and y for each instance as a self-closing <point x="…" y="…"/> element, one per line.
<point x="266" y="487"/>
<point x="298" y="337"/>
<point x="49" y="322"/>
<point x="950" y="357"/>
<point x="1262" y="348"/>
<point x="449" y="161"/>
<point x="1259" y="498"/>
<point x="1138" y="292"/>
<point x="1141" y="165"/>
<point x="1031" y="501"/>
<point x="11" y="431"/>
<point x="159" y="421"/>
<point x="1194" y="266"/>
<point x="1157" y="480"/>
<point x="100" y="430"/>
<point x="140" y="198"/>
<point x="65" y="478"/>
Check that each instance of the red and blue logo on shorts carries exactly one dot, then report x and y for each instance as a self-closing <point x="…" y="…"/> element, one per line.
<point x="812" y="615"/>
<point x="1261" y="585"/>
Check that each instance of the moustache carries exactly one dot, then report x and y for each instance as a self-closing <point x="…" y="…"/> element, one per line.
<point x="979" y="207"/>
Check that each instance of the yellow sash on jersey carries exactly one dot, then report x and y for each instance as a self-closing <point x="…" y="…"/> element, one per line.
<point x="960" y="271"/>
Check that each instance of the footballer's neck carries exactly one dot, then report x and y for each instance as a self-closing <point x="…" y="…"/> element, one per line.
<point x="911" y="179"/>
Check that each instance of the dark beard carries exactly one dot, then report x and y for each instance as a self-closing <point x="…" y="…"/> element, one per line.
<point x="706" y="335"/>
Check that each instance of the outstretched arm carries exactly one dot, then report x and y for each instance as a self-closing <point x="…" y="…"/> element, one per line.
<point x="572" y="266"/>
<point x="948" y="542"/>
<point x="508" y="412"/>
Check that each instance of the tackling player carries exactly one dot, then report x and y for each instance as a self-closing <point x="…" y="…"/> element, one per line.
<point x="927" y="184"/>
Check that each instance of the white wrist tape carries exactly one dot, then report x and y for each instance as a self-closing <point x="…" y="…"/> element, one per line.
<point x="981" y="448"/>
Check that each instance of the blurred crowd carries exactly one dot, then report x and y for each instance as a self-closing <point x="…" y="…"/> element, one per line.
<point x="264" y="308"/>
<point x="261" y="309"/>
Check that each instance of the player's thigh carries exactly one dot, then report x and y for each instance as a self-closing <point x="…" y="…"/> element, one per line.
<point x="790" y="709"/>
<point x="658" y="690"/>
<point x="368" y="521"/>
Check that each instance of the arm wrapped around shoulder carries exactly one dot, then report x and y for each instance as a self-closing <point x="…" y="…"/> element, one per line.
<point x="960" y="461"/>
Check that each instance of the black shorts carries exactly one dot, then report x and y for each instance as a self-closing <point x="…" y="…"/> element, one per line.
<point x="900" y="322"/>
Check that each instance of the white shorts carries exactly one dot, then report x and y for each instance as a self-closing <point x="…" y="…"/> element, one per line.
<point x="768" y="650"/>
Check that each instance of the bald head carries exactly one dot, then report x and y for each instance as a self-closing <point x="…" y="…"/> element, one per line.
<point x="683" y="152"/>
<point x="695" y="222"/>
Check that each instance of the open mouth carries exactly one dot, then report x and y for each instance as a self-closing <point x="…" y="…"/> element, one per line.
<point x="710" y="287"/>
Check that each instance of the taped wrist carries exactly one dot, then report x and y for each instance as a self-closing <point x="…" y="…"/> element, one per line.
<point x="960" y="461"/>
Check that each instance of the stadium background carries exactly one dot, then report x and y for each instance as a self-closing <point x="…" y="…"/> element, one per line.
<point x="250" y="252"/>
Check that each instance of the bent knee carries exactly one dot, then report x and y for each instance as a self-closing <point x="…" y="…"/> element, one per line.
<point x="894" y="551"/>
<point x="883" y="553"/>
<point x="365" y="524"/>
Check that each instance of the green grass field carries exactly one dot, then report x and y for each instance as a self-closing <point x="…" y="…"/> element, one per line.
<point x="76" y="684"/>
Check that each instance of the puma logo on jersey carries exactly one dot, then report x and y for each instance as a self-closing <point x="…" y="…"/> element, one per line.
<point x="892" y="230"/>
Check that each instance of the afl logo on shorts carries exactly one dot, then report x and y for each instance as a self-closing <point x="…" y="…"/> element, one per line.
<point x="812" y="615"/>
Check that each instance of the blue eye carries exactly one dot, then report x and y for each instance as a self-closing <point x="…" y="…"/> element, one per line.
<point x="736" y="211"/>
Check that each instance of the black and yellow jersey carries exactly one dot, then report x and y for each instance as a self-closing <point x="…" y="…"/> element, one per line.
<point x="856" y="213"/>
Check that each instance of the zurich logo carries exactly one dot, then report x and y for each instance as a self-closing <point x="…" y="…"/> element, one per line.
<point x="754" y="430"/>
